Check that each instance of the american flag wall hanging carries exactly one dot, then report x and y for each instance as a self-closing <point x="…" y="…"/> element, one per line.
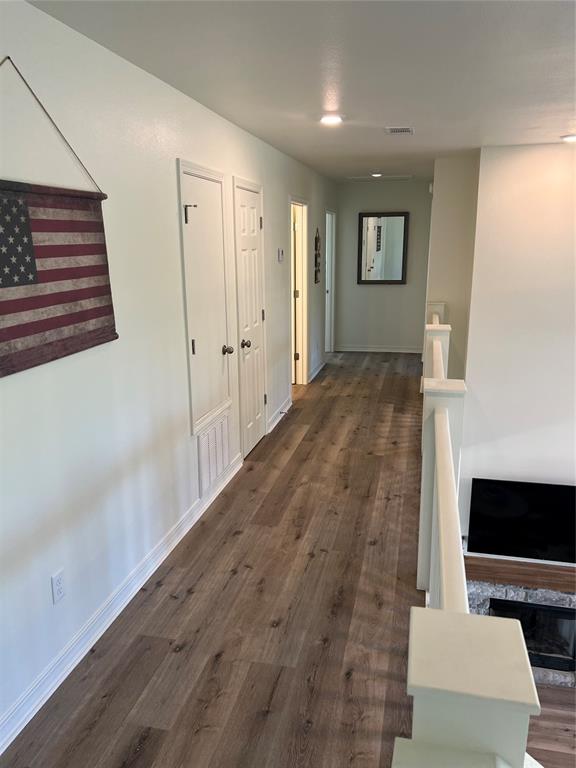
<point x="55" y="296"/>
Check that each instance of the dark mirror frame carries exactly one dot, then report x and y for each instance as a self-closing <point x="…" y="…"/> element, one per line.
<point x="365" y="215"/>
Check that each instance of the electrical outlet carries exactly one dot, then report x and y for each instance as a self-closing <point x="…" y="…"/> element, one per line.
<point x="58" y="590"/>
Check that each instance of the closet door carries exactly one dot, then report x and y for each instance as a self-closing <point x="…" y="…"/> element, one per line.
<point x="209" y="353"/>
<point x="250" y="277"/>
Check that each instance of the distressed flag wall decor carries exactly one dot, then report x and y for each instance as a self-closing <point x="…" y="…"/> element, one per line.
<point x="55" y="296"/>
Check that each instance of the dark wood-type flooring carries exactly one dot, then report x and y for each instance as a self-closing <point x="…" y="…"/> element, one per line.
<point x="552" y="737"/>
<point x="275" y="635"/>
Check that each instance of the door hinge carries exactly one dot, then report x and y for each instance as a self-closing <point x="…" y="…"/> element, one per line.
<point x="263" y="314"/>
<point x="296" y="355"/>
<point x="193" y="344"/>
<point x="261" y="222"/>
<point x="265" y="399"/>
<point x="296" y="294"/>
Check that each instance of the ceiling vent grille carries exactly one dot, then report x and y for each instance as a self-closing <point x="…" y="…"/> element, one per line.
<point x="399" y="130"/>
<point x="384" y="177"/>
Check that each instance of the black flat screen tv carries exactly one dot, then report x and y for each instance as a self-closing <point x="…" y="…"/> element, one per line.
<point x="528" y="520"/>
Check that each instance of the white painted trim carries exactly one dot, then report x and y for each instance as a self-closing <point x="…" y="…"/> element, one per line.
<point x="212" y="415"/>
<point x="365" y="348"/>
<point x="333" y="284"/>
<point x="303" y="326"/>
<point x="278" y="414"/>
<point x="251" y="186"/>
<point x="28" y="704"/>
<point x="316" y="370"/>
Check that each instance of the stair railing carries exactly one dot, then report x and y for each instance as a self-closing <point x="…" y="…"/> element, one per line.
<point x="469" y="675"/>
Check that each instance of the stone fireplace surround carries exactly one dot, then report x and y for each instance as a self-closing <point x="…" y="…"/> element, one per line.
<point x="479" y="594"/>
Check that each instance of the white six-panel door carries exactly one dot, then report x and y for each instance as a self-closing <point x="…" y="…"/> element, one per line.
<point x="250" y="277"/>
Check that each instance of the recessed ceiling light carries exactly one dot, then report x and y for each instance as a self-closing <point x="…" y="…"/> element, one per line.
<point x="570" y="138"/>
<point x="331" y="119"/>
<point x="376" y="175"/>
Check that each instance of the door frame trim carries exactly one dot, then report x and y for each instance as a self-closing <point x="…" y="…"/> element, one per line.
<point x="252" y="186"/>
<point x="333" y="273"/>
<point x="302" y="308"/>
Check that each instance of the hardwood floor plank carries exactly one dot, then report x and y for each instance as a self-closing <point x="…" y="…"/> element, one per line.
<point x="250" y="730"/>
<point x="199" y="728"/>
<point x="90" y="730"/>
<point x="275" y="635"/>
<point x="135" y="747"/>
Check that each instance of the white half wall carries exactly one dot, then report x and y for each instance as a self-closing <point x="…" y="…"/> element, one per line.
<point x="520" y="420"/>
<point x="381" y="317"/>
<point x="451" y="256"/>
<point x="97" y="465"/>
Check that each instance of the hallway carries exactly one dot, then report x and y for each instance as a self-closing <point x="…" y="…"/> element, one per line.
<point x="276" y="632"/>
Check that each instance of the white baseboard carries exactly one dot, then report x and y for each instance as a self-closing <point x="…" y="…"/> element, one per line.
<point x="26" y="706"/>
<point x="368" y="348"/>
<point x="278" y="414"/>
<point x="316" y="370"/>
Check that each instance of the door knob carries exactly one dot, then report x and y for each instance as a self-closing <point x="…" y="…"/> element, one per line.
<point x="246" y="343"/>
<point x="226" y="350"/>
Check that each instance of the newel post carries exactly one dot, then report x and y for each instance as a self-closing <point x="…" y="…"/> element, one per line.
<point x="436" y="308"/>
<point x="449" y="394"/>
<point x="471" y="682"/>
<point x="442" y="333"/>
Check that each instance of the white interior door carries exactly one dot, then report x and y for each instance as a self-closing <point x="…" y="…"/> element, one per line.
<point x="329" y="313"/>
<point x="206" y="306"/>
<point x="250" y="276"/>
<point x="299" y="276"/>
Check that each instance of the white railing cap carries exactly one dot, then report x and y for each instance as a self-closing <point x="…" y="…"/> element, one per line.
<point x="438" y="328"/>
<point x="469" y="655"/>
<point x="448" y="387"/>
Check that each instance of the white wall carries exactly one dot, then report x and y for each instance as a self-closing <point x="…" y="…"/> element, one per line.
<point x="519" y="421"/>
<point x="381" y="317"/>
<point x="451" y="256"/>
<point x="97" y="465"/>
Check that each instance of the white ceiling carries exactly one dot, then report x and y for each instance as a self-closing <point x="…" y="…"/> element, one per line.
<point x="464" y="74"/>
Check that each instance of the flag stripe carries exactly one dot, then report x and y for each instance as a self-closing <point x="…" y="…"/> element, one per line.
<point x="28" y="358"/>
<point x="71" y="261"/>
<point x="46" y="337"/>
<point x="42" y="313"/>
<point x="53" y="275"/>
<point x="28" y="291"/>
<point x="64" y="213"/>
<point x="59" y="201"/>
<point x="66" y="238"/>
<point x="40" y="326"/>
<point x="52" y="299"/>
<point x="60" y="251"/>
<point x="64" y="225"/>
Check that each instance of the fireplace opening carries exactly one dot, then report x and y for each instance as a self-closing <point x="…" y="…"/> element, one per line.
<point x="549" y="631"/>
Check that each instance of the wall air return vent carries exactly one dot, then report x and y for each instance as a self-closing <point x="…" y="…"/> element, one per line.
<point x="399" y="130"/>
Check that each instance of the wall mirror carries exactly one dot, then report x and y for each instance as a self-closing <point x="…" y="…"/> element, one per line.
<point x="382" y="247"/>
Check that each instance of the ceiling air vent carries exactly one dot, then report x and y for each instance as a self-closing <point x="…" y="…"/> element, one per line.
<point x="384" y="177"/>
<point x="399" y="130"/>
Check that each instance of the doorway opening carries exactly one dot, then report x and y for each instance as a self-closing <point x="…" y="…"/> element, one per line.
<point x="299" y="288"/>
<point x="329" y="272"/>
